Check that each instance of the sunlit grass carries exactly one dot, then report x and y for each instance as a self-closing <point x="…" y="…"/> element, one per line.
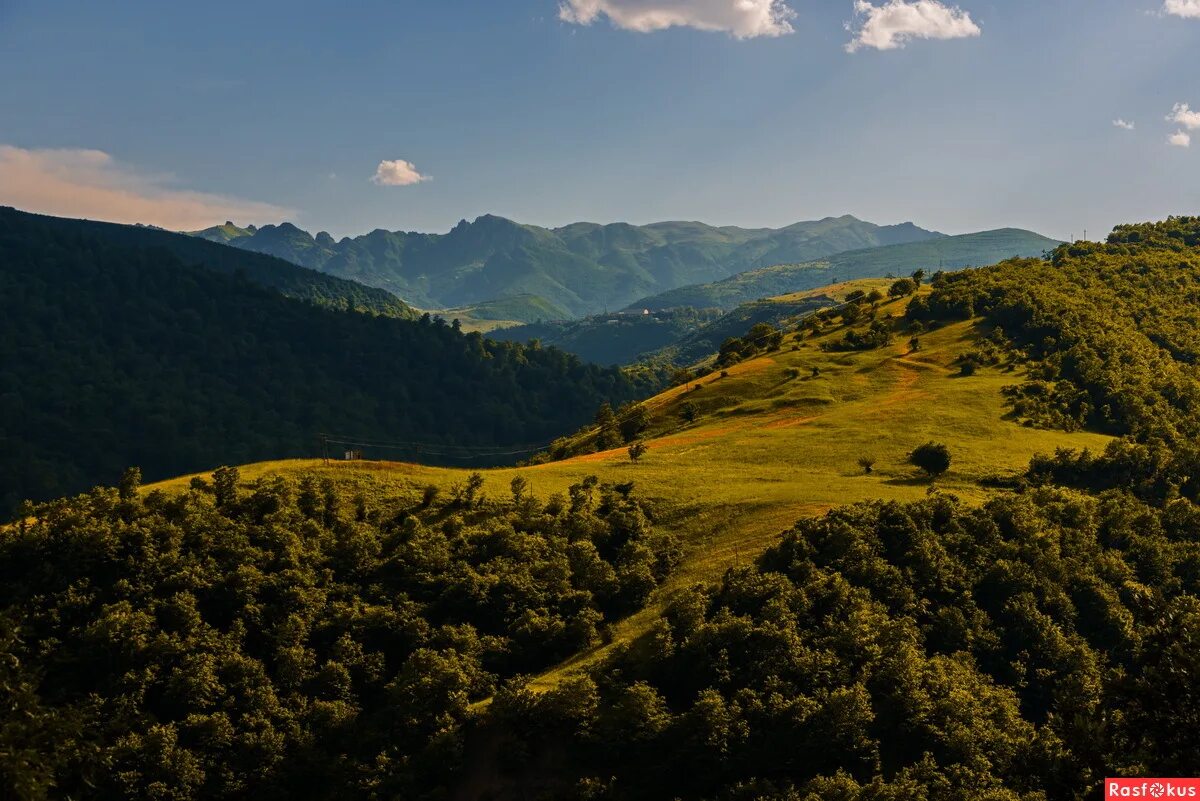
<point x="772" y="443"/>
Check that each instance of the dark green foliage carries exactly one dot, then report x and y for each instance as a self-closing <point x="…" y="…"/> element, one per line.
<point x="902" y="288"/>
<point x="1108" y="332"/>
<point x="632" y="421"/>
<point x="689" y="412"/>
<point x="877" y="335"/>
<point x="292" y="640"/>
<point x="637" y="450"/>
<point x="618" y="339"/>
<point x="1108" y="329"/>
<point x="284" y="277"/>
<point x="1024" y="650"/>
<point x="116" y="356"/>
<point x="761" y="338"/>
<point x="932" y="457"/>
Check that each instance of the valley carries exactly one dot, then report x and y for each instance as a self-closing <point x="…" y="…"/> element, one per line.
<point x="771" y="444"/>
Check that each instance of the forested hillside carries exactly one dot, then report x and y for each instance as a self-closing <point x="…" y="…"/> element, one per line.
<point x="614" y="338"/>
<point x="1109" y="331"/>
<point x="272" y="273"/>
<point x="780" y="278"/>
<point x="115" y="356"/>
<point x="292" y="640"/>
<point x="584" y="268"/>
<point x="320" y="632"/>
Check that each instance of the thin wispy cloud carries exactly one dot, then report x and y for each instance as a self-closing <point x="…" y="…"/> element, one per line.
<point x="1182" y="114"/>
<point x="742" y="19"/>
<point x="1180" y="139"/>
<point x="1124" y="125"/>
<point x="1182" y="8"/>
<point x="896" y="22"/>
<point x="397" y="172"/>
<point x="92" y="185"/>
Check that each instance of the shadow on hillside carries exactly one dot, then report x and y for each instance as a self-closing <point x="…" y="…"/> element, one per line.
<point x="910" y="481"/>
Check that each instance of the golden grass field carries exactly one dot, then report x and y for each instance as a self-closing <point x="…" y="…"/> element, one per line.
<point x="773" y="444"/>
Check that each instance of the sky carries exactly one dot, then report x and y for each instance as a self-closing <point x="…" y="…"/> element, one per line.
<point x="1056" y="115"/>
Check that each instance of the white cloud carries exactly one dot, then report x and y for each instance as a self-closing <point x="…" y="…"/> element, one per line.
<point x="743" y="19"/>
<point x="92" y="185"/>
<point x="1124" y="125"/>
<point x="397" y="173"/>
<point x="1183" y="8"/>
<point x="1180" y="139"/>
<point x="893" y="24"/>
<point x="1183" y="115"/>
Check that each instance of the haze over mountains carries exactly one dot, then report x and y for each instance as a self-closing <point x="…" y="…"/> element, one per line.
<point x="944" y="253"/>
<point x="582" y="268"/>
<point x="676" y="325"/>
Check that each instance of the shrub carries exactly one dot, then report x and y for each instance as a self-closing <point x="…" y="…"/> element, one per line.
<point x="637" y="450"/>
<point x="932" y="457"/>
<point x="867" y="463"/>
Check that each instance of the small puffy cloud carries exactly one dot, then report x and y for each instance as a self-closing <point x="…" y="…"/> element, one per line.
<point x="742" y="19"/>
<point x="1183" y="8"/>
<point x="92" y="185"/>
<point x="1180" y="139"/>
<point x="1183" y="115"/>
<point x="894" y="23"/>
<point x="397" y="172"/>
<point x="1123" y="124"/>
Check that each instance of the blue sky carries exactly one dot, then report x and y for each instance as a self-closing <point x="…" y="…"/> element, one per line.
<point x="262" y="110"/>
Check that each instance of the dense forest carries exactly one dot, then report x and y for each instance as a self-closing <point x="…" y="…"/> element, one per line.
<point x="306" y="639"/>
<point x="117" y="356"/>
<point x="292" y="640"/>
<point x="886" y="651"/>
<point x="268" y="271"/>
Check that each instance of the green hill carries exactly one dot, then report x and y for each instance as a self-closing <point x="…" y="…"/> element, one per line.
<point x="493" y="315"/>
<point x="946" y="253"/>
<point x="272" y="273"/>
<point x="583" y="268"/>
<point x="225" y="233"/>
<point x="778" y="312"/>
<point x="116" y="354"/>
<point x="772" y="595"/>
<point x="612" y="338"/>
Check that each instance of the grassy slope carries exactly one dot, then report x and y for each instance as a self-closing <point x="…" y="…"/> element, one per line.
<point x="769" y="449"/>
<point x="503" y="313"/>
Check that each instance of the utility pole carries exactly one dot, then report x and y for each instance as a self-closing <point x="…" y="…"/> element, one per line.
<point x="325" y="449"/>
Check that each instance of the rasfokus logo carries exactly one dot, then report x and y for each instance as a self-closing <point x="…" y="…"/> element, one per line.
<point x="1151" y="788"/>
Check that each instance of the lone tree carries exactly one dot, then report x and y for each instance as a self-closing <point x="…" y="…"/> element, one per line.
<point x="867" y="463"/>
<point x="632" y="421"/>
<point x="637" y="450"/>
<point x="932" y="457"/>
<point x="902" y="288"/>
<point x="689" y="412"/>
<point x="918" y="276"/>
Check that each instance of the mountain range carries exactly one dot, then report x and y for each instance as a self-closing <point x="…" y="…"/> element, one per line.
<point x="582" y="268"/>
<point x="676" y="329"/>
<point x="941" y="253"/>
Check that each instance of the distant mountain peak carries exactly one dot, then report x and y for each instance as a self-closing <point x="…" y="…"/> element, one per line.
<point x="582" y="267"/>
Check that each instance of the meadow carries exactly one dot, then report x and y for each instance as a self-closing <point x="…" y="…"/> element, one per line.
<point x="773" y="441"/>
